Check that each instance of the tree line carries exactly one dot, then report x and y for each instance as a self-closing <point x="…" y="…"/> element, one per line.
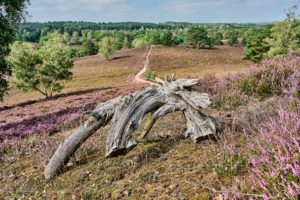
<point x="33" y="31"/>
<point x="90" y="42"/>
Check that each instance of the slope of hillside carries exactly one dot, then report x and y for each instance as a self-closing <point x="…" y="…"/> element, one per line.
<point x="188" y="62"/>
<point x="92" y="72"/>
<point x="167" y="165"/>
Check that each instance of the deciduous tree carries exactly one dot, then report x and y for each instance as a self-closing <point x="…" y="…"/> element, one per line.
<point x="67" y="37"/>
<point x="285" y="35"/>
<point x="75" y="38"/>
<point x="126" y="43"/>
<point x="89" y="47"/>
<point x="11" y="13"/>
<point x="44" y="69"/>
<point x="107" y="46"/>
<point x="232" y="37"/>
<point x="166" y="38"/>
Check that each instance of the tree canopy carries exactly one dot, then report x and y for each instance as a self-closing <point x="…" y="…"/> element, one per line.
<point x="232" y="37"/>
<point x="285" y="36"/>
<point x="107" y="46"/>
<point x="11" y="13"/>
<point x="197" y="38"/>
<point x="276" y="39"/>
<point x="43" y="69"/>
<point x="255" y="44"/>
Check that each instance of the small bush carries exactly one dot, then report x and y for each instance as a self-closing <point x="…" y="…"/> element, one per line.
<point x="228" y="160"/>
<point x="145" y="176"/>
<point x="228" y="165"/>
<point x="77" y="53"/>
<point x="246" y="85"/>
<point x="139" y="43"/>
<point x="150" y="75"/>
<point x="272" y="77"/>
<point x="229" y="101"/>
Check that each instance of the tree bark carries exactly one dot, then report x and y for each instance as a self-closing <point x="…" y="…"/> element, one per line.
<point x="101" y="116"/>
<point x="126" y="114"/>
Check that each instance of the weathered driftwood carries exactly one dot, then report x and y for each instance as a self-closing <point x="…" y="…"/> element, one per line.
<point x="126" y="114"/>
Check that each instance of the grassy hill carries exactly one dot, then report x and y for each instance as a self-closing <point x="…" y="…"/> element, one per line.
<point x="166" y="166"/>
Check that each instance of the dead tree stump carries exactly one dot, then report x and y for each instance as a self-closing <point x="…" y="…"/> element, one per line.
<point x="126" y="114"/>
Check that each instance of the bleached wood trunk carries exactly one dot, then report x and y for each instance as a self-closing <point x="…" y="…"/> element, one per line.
<point x="126" y="114"/>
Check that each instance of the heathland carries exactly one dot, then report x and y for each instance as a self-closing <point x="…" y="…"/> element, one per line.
<point x="251" y="78"/>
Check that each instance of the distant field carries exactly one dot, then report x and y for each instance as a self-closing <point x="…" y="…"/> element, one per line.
<point x="188" y="62"/>
<point x="92" y="73"/>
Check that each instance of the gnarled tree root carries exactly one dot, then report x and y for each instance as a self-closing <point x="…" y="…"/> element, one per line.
<point x="126" y="114"/>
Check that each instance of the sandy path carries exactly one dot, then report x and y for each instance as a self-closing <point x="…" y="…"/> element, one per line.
<point x="139" y="77"/>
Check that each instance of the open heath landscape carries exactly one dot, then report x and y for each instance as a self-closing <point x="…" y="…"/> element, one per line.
<point x="149" y="100"/>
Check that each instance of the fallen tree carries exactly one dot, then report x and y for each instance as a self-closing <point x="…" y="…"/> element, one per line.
<point x="126" y="114"/>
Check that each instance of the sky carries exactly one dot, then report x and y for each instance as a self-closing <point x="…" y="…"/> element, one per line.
<point x="159" y="10"/>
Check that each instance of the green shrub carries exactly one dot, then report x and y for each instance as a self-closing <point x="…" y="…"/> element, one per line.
<point x="31" y="140"/>
<point x="262" y="84"/>
<point x="228" y="102"/>
<point x="139" y="43"/>
<point x="145" y="176"/>
<point x="246" y="86"/>
<point x="77" y="53"/>
<point x="150" y="75"/>
<point x="228" y="164"/>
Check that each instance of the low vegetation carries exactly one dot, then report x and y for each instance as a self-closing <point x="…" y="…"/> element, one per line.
<point x="188" y="62"/>
<point x="255" y="154"/>
<point x="274" y="77"/>
<point x="150" y="75"/>
<point x="89" y="73"/>
<point x="274" y="158"/>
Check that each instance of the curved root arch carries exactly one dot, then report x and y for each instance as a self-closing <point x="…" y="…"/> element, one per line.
<point x="126" y="114"/>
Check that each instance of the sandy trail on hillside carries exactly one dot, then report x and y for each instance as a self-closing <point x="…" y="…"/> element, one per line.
<point x="139" y="76"/>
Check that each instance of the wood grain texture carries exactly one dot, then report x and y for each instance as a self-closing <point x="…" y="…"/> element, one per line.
<point x="126" y="114"/>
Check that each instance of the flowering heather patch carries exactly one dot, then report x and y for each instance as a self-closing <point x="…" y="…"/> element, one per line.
<point x="273" y="76"/>
<point x="48" y="123"/>
<point x="276" y="160"/>
<point x="224" y="94"/>
<point x="273" y="124"/>
<point x="48" y="117"/>
<point x="229" y="160"/>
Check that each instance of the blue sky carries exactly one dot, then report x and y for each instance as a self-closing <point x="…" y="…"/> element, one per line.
<point x="159" y="10"/>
